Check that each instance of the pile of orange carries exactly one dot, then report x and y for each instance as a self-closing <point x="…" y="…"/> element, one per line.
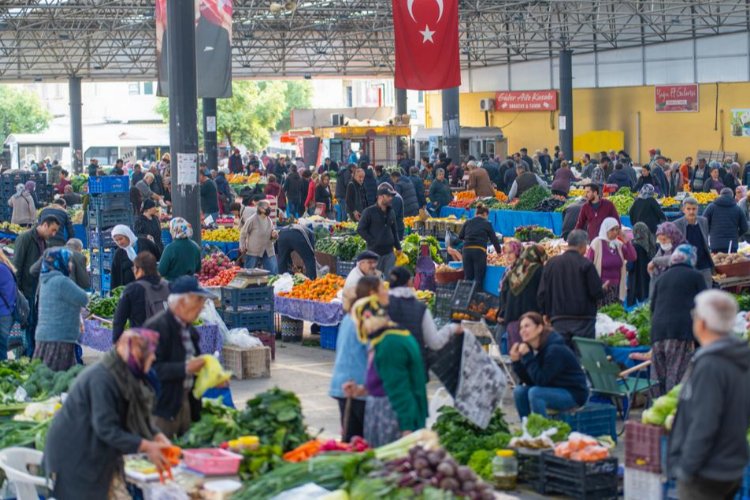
<point x="501" y="196"/>
<point x="322" y="289"/>
<point x="466" y="195"/>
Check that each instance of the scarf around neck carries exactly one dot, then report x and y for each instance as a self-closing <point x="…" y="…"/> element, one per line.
<point x="137" y="395"/>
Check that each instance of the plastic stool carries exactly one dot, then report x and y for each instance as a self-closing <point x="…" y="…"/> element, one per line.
<point x="15" y="462"/>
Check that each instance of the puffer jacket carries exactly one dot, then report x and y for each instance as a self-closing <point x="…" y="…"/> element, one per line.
<point x="726" y="223"/>
<point x="405" y="188"/>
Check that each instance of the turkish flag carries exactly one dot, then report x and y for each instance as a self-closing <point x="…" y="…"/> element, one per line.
<point x="426" y="36"/>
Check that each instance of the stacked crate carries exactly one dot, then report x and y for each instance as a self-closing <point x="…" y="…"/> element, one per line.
<point x="10" y="179"/>
<point x="250" y="308"/>
<point x="109" y="205"/>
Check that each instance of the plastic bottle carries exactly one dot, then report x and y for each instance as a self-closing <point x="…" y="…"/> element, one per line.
<point x="505" y="470"/>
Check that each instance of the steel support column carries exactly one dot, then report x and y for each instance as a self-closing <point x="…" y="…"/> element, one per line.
<point x="401" y="106"/>
<point x="451" y="136"/>
<point x="76" y="124"/>
<point x="566" y="103"/>
<point x="210" y="147"/>
<point x="183" y="113"/>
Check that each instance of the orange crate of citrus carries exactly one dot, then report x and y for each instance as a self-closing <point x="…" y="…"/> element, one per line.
<point x="322" y="289"/>
<point x="466" y="195"/>
<point x="499" y="195"/>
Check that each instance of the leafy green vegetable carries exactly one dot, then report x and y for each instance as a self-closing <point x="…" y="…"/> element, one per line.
<point x="462" y="438"/>
<point x="411" y="246"/>
<point x="344" y="248"/>
<point x="537" y="424"/>
<point x="532" y="197"/>
<point x="481" y="463"/>
<point x="616" y="311"/>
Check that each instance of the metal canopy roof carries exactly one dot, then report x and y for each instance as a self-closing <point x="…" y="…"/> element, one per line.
<point x="115" y="39"/>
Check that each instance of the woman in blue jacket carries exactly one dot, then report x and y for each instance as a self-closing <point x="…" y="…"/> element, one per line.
<point x="551" y="376"/>
<point x="8" y="291"/>
<point x="350" y="366"/>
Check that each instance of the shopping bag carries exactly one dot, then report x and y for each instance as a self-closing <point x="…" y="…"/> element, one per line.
<point x="211" y="375"/>
<point x="438" y="400"/>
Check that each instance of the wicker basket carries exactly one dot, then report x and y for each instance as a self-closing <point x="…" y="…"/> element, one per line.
<point x="291" y="329"/>
<point x="247" y="363"/>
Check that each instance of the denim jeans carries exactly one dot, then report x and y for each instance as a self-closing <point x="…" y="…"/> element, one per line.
<point x="269" y="263"/>
<point x="6" y="323"/>
<point x="30" y="333"/>
<point x="293" y="209"/>
<point x="537" y="399"/>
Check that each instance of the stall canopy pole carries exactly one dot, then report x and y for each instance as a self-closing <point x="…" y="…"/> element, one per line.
<point x="210" y="146"/>
<point x="566" y="103"/>
<point x="183" y="113"/>
<point x="451" y="128"/>
<point x="401" y="102"/>
<point x="76" y="124"/>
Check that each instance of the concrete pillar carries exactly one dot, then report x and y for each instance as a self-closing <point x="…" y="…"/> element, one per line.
<point x="76" y="124"/>
<point x="183" y="113"/>
<point x="451" y="129"/>
<point x="210" y="143"/>
<point x="565" y="124"/>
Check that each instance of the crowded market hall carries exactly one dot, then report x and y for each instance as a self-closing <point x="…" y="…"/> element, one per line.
<point x="490" y="259"/>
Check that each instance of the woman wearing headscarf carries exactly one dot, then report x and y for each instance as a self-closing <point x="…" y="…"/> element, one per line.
<point x="106" y="415"/>
<point x="256" y="240"/>
<point x="31" y="189"/>
<point x="610" y="253"/>
<point x="646" y="209"/>
<point x="60" y="303"/>
<point x="128" y="247"/>
<point x="638" y="277"/>
<point x="668" y="237"/>
<point x="24" y="207"/>
<point x="671" y="323"/>
<point x="518" y="289"/>
<point x="395" y="381"/>
<point x="182" y="257"/>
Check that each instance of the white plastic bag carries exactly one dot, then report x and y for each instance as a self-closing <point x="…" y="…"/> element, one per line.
<point x="211" y="316"/>
<point x="285" y="283"/>
<point x="441" y="398"/>
<point x="543" y="441"/>
<point x="241" y="338"/>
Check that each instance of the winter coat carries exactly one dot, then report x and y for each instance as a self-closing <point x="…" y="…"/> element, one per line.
<point x="726" y="223"/>
<point x="405" y="188"/>
<point x="60" y="303"/>
<point x="671" y="301"/>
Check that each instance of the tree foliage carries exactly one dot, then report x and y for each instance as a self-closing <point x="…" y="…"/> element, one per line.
<point x="254" y="111"/>
<point x="21" y="112"/>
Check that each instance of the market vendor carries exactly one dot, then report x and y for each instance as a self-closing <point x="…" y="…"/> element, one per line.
<point x="379" y="230"/>
<point x="176" y="356"/>
<point x="550" y="374"/>
<point x="182" y="257"/>
<point x="476" y="235"/>
<point x="296" y="238"/>
<point x="128" y="247"/>
<point x="367" y="265"/>
<point x="106" y="415"/>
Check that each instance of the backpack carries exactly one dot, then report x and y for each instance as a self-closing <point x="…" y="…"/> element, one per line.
<point x="155" y="297"/>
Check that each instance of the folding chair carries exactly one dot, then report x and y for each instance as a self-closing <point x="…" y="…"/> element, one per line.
<point x="607" y="379"/>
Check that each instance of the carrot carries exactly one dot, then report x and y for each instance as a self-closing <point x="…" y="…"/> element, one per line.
<point x="303" y="452"/>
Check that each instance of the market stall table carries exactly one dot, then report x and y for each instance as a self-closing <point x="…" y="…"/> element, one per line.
<point x="492" y="277"/>
<point x="97" y="335"/>
<point x="321" y="313"/>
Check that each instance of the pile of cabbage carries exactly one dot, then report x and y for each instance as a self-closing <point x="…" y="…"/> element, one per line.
<point x="663" y="410"/>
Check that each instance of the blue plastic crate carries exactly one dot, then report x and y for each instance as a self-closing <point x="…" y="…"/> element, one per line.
<point x="110" y="201"/>
<point x="101" y="239"/>
<point x="109" y="184"/>
<point x="166" y="237"/>
<point x="328" y="336"/>
<point x="593" y="419"/>
<point x="105" y="257"/>
<point x="102" y="283"/>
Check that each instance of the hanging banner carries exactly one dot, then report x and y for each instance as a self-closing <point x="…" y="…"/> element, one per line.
<point x="740" y="122"/>
<point x="426" y="42"/>
<point x="213" y="48"/>
<point x="676" y="98"/>
<point x="531" y="100"/>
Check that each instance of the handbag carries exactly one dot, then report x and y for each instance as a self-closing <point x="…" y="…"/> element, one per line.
<point x="22" y="310"/>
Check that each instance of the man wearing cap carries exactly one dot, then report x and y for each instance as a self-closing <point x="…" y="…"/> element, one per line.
<point x="209" y="194"/>
<point x="378" y="228"/>
<point x="367" y="265"/>
<point x="659" y="176"/>
<point x="177" y="360"/>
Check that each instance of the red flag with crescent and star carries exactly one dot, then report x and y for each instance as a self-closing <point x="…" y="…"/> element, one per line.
<point x="427" y="52"/>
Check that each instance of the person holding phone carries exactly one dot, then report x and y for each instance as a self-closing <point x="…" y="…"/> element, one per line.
<point x="610" y="253"/>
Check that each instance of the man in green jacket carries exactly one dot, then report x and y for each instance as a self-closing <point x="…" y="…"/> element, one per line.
<point x="30" y="245"/>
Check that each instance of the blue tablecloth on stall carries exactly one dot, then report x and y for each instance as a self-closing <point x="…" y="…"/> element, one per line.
<point x="492" y="279"/>
<point x="505" y="222"/>
<point x="621" y="355"/>
<point x="458" y="213"/>
<point x="309" y="310"/>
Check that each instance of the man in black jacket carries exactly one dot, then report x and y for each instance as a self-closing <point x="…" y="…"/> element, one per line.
<point x="569" y="290"/>
<point x="708" y="449"/>
<point x="177" y="360"/>
<point x="57" y="210"/>
<point x="342" y="184"/>
<point x="356" y="196"/>
<point x="378" y="228"/>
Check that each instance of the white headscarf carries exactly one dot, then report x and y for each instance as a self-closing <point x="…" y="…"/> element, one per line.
<point x="607" y="225"/>
<point x="20" y="189"/>
<point x="123" y="230"/>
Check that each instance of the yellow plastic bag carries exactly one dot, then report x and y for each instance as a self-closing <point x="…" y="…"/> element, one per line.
<point x="211" y="375"/>
<point x="401" y="259"/>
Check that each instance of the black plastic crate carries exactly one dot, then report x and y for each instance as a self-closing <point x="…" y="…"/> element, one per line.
<point x="241" y="298"/>
<point x="580" y="480"/>
<point x="101" y="239"/>
<point x="110" y="201"/>
<point x="252" y="320"/>
<point x="462" y="295"/>
<point x="103" y="219"/>
<point x="443" y="296"/>
<point x="529" y="465"/>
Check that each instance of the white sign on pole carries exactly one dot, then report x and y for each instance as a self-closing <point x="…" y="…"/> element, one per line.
<point x="210" y="124"/>
<point x="187" y="169"/>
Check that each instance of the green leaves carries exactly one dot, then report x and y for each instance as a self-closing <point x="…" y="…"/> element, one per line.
<point x="21" y="112"/>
